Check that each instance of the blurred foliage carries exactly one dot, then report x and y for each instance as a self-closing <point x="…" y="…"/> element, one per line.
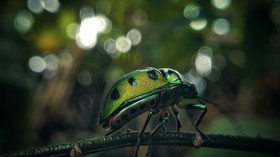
<point x="55" y="68"/>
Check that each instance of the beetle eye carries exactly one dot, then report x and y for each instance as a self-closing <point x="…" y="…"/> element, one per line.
<point x="152" y="74"/>
<point x="170" y="72"/>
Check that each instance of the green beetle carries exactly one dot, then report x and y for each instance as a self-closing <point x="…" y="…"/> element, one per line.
<point x="147" y="90"/>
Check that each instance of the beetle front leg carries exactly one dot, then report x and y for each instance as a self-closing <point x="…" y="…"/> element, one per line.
<point x="199" y="119"/>
<point x="197" y="140"/>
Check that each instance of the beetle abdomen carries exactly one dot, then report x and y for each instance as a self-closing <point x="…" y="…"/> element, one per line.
<point x="132" y="110"/>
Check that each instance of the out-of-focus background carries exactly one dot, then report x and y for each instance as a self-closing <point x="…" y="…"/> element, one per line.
<point x="58" y="59"/>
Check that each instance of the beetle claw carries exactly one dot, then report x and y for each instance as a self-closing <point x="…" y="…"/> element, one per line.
<point x="76" y="151"/>
<point x="197" y="140"/>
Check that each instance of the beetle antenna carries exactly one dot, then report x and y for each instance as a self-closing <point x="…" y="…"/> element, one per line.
<point x="231" y="118"/>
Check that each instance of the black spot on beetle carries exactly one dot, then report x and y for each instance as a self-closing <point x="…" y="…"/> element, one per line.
<point x="115" y="94"/>
<point x="143" y="106"/>
<point x="133" y="111"/>
<point x="152" y="74"/>
<point x="132" y="81"/>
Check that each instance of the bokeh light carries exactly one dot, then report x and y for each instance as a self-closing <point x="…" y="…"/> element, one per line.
<point x="85" y="101"/>
<point x="275" y="15"/>
<point x="37" y="64"/>
<point x="50" y="5"/>
<point x="123" y="44"/>
<point x="71" y="30"/>
<point x="237" y="57"/>
<point x="52" y="62"/>
<point x="103" y="6"/>
<point x="35" y="6"/>
<point x="65" y="59"/>
<point x="221" y="26"/>
<point x="87" y="36"/>
<point x="91" y="26"/>
<point x="214" y="75"/>
<point x="203" y="61"/>
<point x="102" y="23"/>
<point x="134" y="35"/>
<point x="198" y="24"/>
<point x="197" y="80"/>
<point x="110" y="46"/>
<point x="23" y="21"/>
<point x="221" y="4"/>
<point x="191" y="11"/>
<point x="140" y="17"/>
<point x="86" y="12"/>
<point x="84" y="78"/>
<point x="219" y="62"/>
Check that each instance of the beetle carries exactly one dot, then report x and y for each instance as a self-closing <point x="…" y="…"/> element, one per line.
<point x="148" y="90"/>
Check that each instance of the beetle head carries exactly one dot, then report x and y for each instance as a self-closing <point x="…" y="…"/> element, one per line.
<point x="189" y="89"/>
<point x="171" y="75"/>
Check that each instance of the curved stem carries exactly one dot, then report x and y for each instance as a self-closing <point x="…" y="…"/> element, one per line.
<point x="90" y="146"/>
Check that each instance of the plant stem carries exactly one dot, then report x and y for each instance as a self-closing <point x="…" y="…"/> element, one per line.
<point x="90" y="146"/>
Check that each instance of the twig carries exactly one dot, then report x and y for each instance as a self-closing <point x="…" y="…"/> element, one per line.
<point x="90" y="146"/>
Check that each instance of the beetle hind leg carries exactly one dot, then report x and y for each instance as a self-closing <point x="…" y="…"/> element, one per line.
<point x="150" y="114"/>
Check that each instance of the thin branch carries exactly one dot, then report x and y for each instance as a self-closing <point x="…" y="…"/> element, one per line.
<point x="90" y="146"/>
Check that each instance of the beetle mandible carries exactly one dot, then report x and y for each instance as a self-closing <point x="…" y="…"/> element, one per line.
<point x="148" y="90"/>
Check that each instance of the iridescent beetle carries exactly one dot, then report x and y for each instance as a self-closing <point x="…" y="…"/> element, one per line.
<point x="151" y="90"/>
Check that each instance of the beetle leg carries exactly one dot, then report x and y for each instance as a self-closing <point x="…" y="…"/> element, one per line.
<point x="203" y="107"/>
<point x="162" y="114"/>
<point x="199" y="119"/>
<point x="164" y="120"/>
<point x="150" y="114"/>
<point x="178" y="121"/>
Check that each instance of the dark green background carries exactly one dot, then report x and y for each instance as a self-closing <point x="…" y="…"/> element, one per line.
<point x="37" y="110"/>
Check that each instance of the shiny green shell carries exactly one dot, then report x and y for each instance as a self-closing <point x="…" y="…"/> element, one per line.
<point x="131" y="85"/>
